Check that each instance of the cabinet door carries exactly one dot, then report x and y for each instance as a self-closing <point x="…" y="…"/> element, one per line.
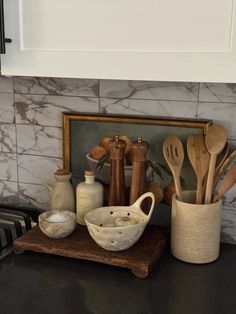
<point x="183" y="40"/>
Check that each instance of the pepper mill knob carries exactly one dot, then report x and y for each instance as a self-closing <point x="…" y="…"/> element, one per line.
<point x="139" y="150"/>
<point x="116" y="148"/>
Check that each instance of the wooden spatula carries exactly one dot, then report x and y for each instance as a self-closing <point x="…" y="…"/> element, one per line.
<point x="199" y="158"/>
<point x="215" y="142"/>
<point x="174" y="155"/>
<point x="228" y="181"/>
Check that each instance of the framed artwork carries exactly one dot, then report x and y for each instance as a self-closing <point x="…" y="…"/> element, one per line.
<point x="82" y="132"/>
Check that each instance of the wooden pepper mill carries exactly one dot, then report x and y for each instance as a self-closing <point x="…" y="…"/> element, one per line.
<point x="117" y="185"/>
<point x="139" y="152"/>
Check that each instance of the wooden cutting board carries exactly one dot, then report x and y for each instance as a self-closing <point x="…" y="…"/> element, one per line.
<point x="140" y="258"/>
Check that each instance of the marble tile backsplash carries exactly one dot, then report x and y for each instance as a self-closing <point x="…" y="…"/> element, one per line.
<point x="31" y="123"/>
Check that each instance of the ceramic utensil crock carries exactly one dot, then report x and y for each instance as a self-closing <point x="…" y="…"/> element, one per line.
<point x="117" y="228"/>
<point x="195" y="229"/>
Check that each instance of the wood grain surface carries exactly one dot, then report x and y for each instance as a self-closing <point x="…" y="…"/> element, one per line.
<point x="139" y="152"/>
<point x="173" y="152"/>
<point x="117" y="184"/>
<point x="216" y="137"/>
<point x="199" y="159"/>
<point x="140" y="258"/>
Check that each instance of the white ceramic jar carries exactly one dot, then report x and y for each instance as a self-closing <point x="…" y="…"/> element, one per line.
<point x="62" y="193"/>
<point x="89" y="195"/>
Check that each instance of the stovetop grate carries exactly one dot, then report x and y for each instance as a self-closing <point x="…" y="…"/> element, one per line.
<point x="15" y="221"/>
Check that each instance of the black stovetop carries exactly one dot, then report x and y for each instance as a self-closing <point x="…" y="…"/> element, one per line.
<point x="14" y="221"/>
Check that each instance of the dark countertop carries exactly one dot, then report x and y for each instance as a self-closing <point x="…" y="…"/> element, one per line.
<point x="40" y="284"/>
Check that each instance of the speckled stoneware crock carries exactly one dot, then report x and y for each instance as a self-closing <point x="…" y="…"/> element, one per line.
<point x="116" y="228"/>
<point x="195" y="229"/>
<point x="57" y="224"/>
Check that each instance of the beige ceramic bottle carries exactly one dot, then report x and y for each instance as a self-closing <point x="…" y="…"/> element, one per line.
<point x="89" y="195"/>
<point x="62" y="193"/>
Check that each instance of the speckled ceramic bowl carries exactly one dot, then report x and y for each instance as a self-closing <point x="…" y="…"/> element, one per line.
<point x="57" y="224"/>
<point x="116" y="228"/>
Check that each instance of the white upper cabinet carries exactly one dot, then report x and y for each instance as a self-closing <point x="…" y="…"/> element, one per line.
<point x="182" y="40"/>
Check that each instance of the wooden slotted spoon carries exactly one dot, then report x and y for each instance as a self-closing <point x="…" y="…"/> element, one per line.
<point x="199" y="158"/>
<point x="174" y="155"/>
<point x="215" y="142"/>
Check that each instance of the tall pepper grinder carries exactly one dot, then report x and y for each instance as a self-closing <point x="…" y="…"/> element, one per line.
<point x="117" y="185"/>
<point x="139" y="152"/>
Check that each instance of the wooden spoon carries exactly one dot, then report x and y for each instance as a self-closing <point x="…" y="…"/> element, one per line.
<point x="199" y="158"/>
<point x="215" y="141"/>
<point x="221" y="158"/>
<point x="174" y="155"/>
<point x="224" y="166"/>
<point x="219" y="162"/>
<point x="227" y="183"/>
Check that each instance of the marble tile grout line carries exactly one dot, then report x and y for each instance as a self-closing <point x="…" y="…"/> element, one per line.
<point x="198" y="95"/>
<point x="107" y="97"/>
<point x="35" y="155"/>
<point x="56" y="95"/>
<point x="24" y="182"/>
<point x="169" y="100"/>
<point x="17" y="171"/>
<point x="99" y="84"/>
<point x="99" y="106"/>
<point x="2" y="180"/>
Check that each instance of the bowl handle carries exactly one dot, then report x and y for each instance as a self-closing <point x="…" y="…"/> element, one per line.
<point x="141" y="198"/>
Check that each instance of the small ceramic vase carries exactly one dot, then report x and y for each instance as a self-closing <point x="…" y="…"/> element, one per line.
<point x="62" y="193"/>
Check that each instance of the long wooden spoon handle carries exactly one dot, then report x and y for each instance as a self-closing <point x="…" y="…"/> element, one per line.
<point x="199" y="192"/>
<point x="178" y="187"/>
<point x="210" y="179"/>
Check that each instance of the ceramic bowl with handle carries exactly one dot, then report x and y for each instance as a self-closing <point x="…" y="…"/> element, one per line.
<point x="116" y="228"/>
